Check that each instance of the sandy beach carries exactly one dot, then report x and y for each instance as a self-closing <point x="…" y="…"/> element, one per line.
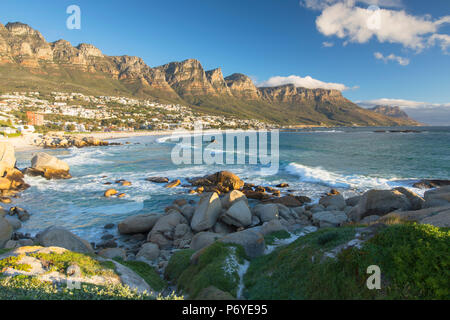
<point x="26" y="142"/>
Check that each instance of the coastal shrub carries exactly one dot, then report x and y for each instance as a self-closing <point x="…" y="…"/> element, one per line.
<point x="277" y="235"/>
<point x="13" y="262"/>
<point x="327" y="237"/>
<point x="147" y="273"/>
<point x="88" y="265"/>
<point x="179" y="262"/>
<point x="29" y="288"/>
<point x="3" y="251"/>
<point x="414" y="261"/>
<point x="217" y="266"/>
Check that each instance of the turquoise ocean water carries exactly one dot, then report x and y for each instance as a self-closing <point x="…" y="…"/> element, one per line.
<point x="351" y="160"/>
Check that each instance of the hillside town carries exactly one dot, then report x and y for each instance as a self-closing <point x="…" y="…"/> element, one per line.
<point x="28" y="112"/>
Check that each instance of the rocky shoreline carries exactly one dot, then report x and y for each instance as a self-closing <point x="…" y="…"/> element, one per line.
<point x="226" y="212"/>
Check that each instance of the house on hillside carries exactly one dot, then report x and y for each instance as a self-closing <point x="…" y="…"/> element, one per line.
<point x="26" y="129"/>
<point x="8" y="130"/>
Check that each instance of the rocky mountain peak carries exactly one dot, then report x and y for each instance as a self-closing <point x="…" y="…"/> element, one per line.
<point x="89" y="50"/>
<point x="187" y="77"/>
<point x="215" y="78"/>
<point x="391" y="111"/>
<point x="22" y="29"/>
<point x="242" y="86"/>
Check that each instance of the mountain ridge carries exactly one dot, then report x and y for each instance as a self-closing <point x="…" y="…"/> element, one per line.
<point x="27" y="60"/>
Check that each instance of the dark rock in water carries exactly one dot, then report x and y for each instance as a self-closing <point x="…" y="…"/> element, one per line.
<point x="428" y="184"/>
<point x="303" y="199"/>
<point x="158" y="179"/>
<point x="109" y="226"/>
<point x="107" y="237"/>
<point x="397" y="131"/>
<point x="282" y="185"/>
<point x="250" y="194"/>
<point x="22" y="214"/>
<point x="107" y="244"/>
<point x="405" y="131"/>
<point x="333" y="192"/>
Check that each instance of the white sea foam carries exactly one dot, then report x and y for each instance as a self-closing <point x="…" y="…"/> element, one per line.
<point x="321" y="176"/>
<point x="80" y="157"/>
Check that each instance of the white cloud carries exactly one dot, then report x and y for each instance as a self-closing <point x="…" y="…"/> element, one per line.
<point x="436" y="114"/>
<point x="442" y="39"/>
<point x="392" y="57"/>
<point x="407" y="104"/>
<point x="327" y="44"/>
<point x="359" y="24"/>
<point x="322" y="4"/>
<point x="306" y="82"/>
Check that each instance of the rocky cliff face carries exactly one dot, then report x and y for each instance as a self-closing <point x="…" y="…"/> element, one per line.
<point x="25" y="48"/>
<point x="394" y="112"/>
<point x="242" y="86"/>
<point x="215" y="78"/>
<point x="291" y="94"/>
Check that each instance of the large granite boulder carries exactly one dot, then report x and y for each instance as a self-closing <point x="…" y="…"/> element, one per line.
<point x="329" y="218"/>
<point x="49" y="167"/>
<point x="266" y="212"/>
<point x="207" y="212"/>
<point x="60" y="237"/>
<point x="335" y="201"/>
<point x="437" y="197"/>
<point x="11" y="179"/>
<point x="149" y="251"/>
<point x="230" y="198"/>
<point x="238" y="215"/>
<point x="6" y="231"/>
<point x="251" y="240"/>
<point x="141" y="223"/>
<point x="163" y="232"/>
<point x="379" y="202"/>
<point x="204" y="239"/>
<point x="223" y="181"/>
<point x="437" y="216"/>
<point x="7" y="157"/>
<point x="416" y="201"/>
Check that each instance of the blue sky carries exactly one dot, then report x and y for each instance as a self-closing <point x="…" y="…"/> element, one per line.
<point x="404" y="60"/>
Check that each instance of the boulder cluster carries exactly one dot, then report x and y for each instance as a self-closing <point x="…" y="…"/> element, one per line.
<point x="11" y="178"/>
<point x="68" y="141"/>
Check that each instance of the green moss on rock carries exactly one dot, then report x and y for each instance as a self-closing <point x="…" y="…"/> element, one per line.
<point x="217" y="266"/>
<point x="277" y="235"/>
<point x="414" y="262"/>
<point x="29" y="288"/>
<point x="179" y="262"/>
<point x="14" y="263"/>
<point x="147" y="273"/>
<point x="61" y="261"/>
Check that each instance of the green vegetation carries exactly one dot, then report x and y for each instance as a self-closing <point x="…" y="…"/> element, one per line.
<point x="414" y="261"/>
<point x="179" y="262"/>
<point x="277" y="235"/>
<point x="148" y="273"/>
<point x="11" y="135"/>
<point x="88" y="265"/>
<point x="2" y="251"/>
<point x="216" y="266"/>
<point x="29" y="288"/>
<point x="13" y="262"/>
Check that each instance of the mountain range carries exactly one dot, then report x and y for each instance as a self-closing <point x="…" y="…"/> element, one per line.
<point x="391" y="111"/>
<point x="29" y="62"/>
